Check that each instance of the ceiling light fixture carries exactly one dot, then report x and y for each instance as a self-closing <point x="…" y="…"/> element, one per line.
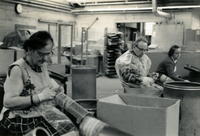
<point x="172" y="7"/>
<point x="114" y="9"/>
<point x="146" y="8"/>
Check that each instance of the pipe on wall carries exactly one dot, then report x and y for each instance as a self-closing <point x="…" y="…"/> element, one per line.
<point x="42" y="6"/>
<point x="159" y="13"/>
<point x="55" y="3"/>
<point x="38" y="2"/>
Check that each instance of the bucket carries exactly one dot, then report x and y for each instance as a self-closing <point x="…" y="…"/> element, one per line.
<point x="189" y="94"/>
<point x="194" y="77"/>
<point x="83" y="82"/>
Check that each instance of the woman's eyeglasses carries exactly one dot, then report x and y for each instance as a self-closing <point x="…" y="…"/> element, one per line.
<point x="41" y="54"/>
<point x="145" y="50"/>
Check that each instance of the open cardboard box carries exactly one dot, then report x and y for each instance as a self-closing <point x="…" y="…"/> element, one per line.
<point x="140" y="115"/>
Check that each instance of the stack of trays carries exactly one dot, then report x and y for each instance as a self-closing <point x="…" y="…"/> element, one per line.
<point x="111" y="53"/>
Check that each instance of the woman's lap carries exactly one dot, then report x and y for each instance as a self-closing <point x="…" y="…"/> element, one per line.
<point x="21" y="125"/>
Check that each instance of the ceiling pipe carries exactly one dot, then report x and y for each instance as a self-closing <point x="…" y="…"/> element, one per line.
<point x="159" y="13"/>
<point x="39" y="6"/>
<point x="50" y="6"/>
<point x="51" y="3"/>
<point x="56" y="2"/>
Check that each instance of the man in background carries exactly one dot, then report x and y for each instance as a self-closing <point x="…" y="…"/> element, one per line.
<point x="133" y="68"/>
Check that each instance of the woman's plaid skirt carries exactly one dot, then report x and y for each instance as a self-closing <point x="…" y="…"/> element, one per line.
<point x="20" y="126"/>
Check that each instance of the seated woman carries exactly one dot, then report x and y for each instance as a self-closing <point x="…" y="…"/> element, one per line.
<point x="28" y="86"/>
<point x="167" y="68"/>
<point x="31" y="98"/>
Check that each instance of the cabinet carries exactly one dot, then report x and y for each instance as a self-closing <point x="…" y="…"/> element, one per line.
<point x="112" y="51"/>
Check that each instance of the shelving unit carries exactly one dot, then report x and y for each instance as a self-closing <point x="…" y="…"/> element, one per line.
<point x="112" y="42"/>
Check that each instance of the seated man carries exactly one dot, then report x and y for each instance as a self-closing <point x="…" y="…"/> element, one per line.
<point x="132" y="68"/>
<point x="167" y="68"/>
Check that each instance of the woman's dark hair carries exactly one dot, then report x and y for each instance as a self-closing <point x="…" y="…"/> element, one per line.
<point x="172" y="50"/>
<point x="38" y="40"/>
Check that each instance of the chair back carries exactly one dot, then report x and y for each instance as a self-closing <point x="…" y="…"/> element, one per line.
<point x="2" y="80"/>
<point x="1" y="95"/>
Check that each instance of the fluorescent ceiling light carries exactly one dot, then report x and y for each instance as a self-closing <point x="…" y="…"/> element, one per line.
<point x="171" y="7"/>
<point x="75" y="1"/>
<point x="114" y="9"/>
<point x="147" y="8"/>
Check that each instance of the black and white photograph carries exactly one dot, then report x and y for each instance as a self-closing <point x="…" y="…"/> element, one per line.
<point x="99" y="67"/>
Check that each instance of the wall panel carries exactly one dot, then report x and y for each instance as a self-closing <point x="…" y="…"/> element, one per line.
<point x="166" y="35"/>
<point x="29" y="16"/>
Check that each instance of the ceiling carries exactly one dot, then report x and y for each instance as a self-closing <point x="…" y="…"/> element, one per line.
<point x="128" y="6"/>
<point x="108" y="6"/>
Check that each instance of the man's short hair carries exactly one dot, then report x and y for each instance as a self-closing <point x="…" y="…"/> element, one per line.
<point x="143" y="39"/>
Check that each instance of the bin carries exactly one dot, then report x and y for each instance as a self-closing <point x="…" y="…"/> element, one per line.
<point x="83" y="82"/>
<point x="189" y="94"/>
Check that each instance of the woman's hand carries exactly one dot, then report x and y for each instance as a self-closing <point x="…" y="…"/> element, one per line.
<point x="186" y="81"/>
<point x="60" y="89"/>
<point x="148" y="80"/>
<point x="48" y="94"/>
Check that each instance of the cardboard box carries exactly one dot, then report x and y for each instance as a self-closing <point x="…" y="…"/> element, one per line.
<point x="140" y="115"/>
<point x="6" y="58"/>
<point x="19" y="53"/>
<point x="59" y="68"/>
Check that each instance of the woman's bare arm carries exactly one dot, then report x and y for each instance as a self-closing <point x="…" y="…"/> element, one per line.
<point x="13" y="88"/>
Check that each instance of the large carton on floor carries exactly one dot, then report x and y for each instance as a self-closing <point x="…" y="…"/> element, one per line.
<point x="140" y="115"/>
<point x="6" y="58"/>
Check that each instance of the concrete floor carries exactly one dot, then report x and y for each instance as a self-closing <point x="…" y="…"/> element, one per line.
<point x="105" y="86"/>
